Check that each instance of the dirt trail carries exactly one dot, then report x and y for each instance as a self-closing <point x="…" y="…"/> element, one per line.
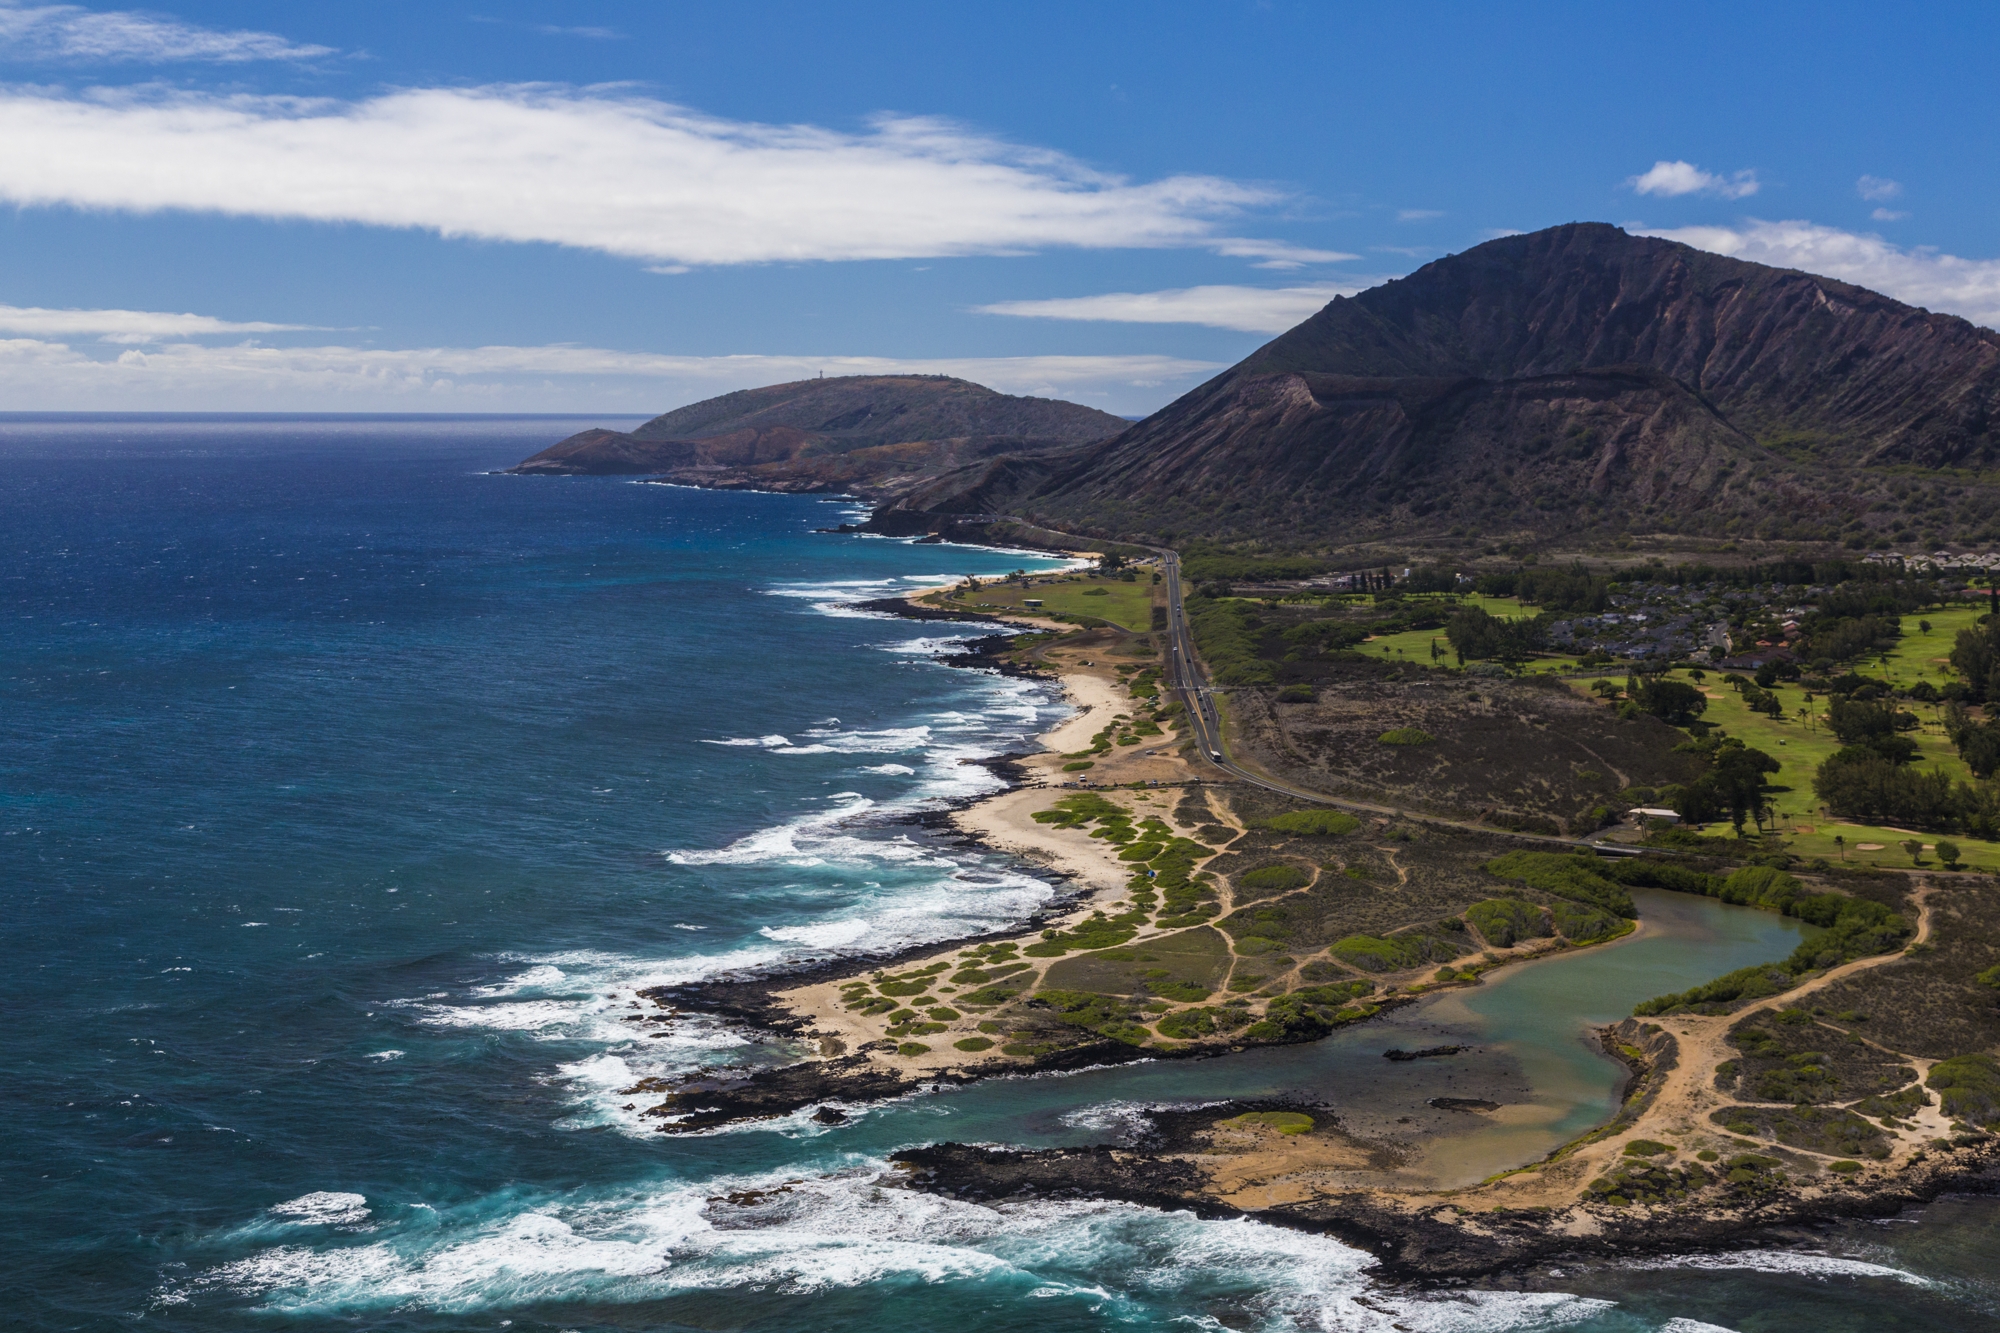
<point x="1616" y="772"/>
<point x="1688" y="1095"/>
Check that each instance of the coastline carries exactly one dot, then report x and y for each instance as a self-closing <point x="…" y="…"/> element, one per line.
<point x="1211" y="1160"/>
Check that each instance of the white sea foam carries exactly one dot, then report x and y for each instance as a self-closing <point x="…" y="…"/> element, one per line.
<point x="1783" y="1261"/>
<point x="807" y="1233"/>
<point x="765" y="741"/>
<point x="322" y="1208"/>
<point x="1692" y="1326"/>
<point x="1121" y="1116"/>
<point x="385" y="1055"/>
<point x="890" y="770"/>
<point x="827" y="935"/>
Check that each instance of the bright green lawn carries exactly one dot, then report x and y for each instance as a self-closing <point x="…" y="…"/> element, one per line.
<point x="1921" y="656"/>
<point x="1415" y="645"/>
<point x="1799" y="746"/>
<point x="1974" y="854"/>
<point x="1127" y="605"/>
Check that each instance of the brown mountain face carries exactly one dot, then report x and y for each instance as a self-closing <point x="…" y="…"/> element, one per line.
<point x="876" y="435"/>
<point x="1573" y="381"/>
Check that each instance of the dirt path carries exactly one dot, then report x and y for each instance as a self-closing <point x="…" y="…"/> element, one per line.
<point x="1616" y="772"/>
<point x="1688" y="1094"/>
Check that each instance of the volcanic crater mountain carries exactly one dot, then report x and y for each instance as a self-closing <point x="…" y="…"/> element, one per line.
<point x="873" y="435"/>
<point x="1574" y="381"/>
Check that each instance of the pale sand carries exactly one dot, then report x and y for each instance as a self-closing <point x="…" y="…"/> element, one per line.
<point x="1005" y="823"/>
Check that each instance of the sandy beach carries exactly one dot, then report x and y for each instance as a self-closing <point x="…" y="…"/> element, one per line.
<point x="1093" y="688"/>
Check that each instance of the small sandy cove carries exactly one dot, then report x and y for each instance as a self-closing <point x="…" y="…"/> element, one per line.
<point x="1005" y="822"/>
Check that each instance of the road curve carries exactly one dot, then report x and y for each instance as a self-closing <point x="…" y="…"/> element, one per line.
<point x="1192" y="687"/>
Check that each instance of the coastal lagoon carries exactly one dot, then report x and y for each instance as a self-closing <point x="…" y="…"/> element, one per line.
<point x="351" y="792"/>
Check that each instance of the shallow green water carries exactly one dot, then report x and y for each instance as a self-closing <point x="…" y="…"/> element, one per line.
<point x="1527" y="1031"/>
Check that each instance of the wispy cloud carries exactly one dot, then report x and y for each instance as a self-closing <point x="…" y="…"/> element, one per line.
<point x="1878" y="189"/>
<point x="1968" y="287"/>
<point x="1276" y="254"/>
<point x="552" y="29"/>
<point x="1672" y="179"/>
<point x="1418" y="214"/>
<point x="620" y="174"/>
<point x="126" y="326"/>
<point x="68" y="33"/>
<point x="44" y="375"/>
<point x="1245" y="309"/>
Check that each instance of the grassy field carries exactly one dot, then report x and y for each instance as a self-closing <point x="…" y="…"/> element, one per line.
<point x="1921" y="656"/>
<point x="1126" y="605"/>
<point x="1415" y="645"/>
<point x="1799" y="744"/>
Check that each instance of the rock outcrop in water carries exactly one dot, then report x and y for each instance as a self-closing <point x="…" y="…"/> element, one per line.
<point x="1578" y="380"/>
<point x="873" y="435"/>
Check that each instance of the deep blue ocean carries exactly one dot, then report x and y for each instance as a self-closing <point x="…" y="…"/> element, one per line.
<point x="347" y="794"/>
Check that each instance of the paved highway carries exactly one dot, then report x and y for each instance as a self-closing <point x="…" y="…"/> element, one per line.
<point x="1192" y="687"/>
<point x="1196" y="693"/>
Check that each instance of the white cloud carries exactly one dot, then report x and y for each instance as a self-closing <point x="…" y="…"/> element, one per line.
<point x="68" y="33"/>
<point x="1246" y="309"/>
<point x="1678" y="178"/>
<point x="552" y="29"/>
<point x="1418" y="214"/>
<point x="125" y="326"/>
<point x="1968" y="287"/>
<point x="1877" y="189"/>
<point x="43" y="375"/>
<point x="1888" y="215"/>
<point x="603" y="171"/>
<point x="1275" y="254"/>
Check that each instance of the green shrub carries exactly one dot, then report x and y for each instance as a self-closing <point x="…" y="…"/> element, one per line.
<point x="1189" y="1024"/>
<point x="1843" y="1168"/>
<point x="1968" y="1086"/>
<point x="1578" y="877"/>
<point x="913" y="1048"/>
<point x="1406" y="736"/>
<point x="1315" y="823"/>
<point x="1507" y="921"/>
<point x="974" y="1043"/>
<point x="1647" y="1148"/>
<point x="1105" y="1015"/>
<point x="1583" y="924"/>
<point x="1274" y="879"/>
<point x="1303" y="1016"/>
<point x="986" y="997"/>
<point x="1227" y="638"/>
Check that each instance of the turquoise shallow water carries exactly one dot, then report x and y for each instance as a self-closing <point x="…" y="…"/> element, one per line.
<point x="347" y="793"/>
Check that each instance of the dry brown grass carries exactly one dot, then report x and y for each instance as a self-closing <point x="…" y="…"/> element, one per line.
<point x="1528" y="754"/>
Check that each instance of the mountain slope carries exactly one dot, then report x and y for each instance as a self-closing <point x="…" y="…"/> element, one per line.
<point x="1573" y="381"/>
<point x="874" y="434"/>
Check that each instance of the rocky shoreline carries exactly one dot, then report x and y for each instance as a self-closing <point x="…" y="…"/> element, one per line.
<point x="1252" y="1158"/>
<point x="1170" y="1165"/>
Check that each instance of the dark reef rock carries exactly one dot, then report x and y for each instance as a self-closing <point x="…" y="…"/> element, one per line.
<point x="1420" y="1239"/>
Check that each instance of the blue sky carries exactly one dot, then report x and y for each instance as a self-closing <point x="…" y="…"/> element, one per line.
<point x="624" y="207"/>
